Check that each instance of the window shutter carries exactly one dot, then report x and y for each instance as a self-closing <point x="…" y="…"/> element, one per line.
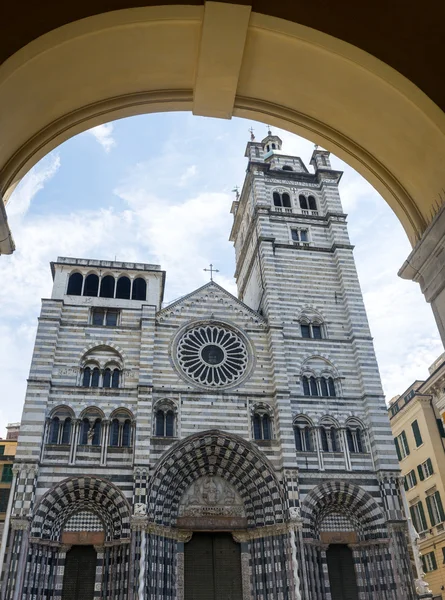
<point x="439" y="506"/>
<point x="422" y="517"/>
<point x="424" y="569"/>
<point x="405" y="442"/>
<point x="429" y="465"/>
<point x="430" y="510"/>
<point x="416" y="432"/>
<point x="433" y="560"/>
<point x="396" y="442"/>
<point x="440" y="427"/>
<point x="421" y="473"/>
<point x="414" y="478"/>
<point x="405" y="484"/>
<point x="414" y="521"/>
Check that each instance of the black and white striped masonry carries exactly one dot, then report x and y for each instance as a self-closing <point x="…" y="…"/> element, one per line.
<point x="131" y="407"/>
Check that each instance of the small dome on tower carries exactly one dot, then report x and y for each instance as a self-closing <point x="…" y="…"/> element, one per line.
<point x="271" y="142"/>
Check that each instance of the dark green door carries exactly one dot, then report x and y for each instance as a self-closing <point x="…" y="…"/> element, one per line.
<point x="79" y="575"/>
<point x="212" y="567"/>
<point x="341" y="573"/>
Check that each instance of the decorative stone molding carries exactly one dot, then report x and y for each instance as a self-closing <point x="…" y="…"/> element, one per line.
<point x="18" y="524"/>
<point x="260" y="532"/>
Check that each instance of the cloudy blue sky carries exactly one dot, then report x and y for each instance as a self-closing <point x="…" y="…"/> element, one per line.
<point x="157" y="188"/>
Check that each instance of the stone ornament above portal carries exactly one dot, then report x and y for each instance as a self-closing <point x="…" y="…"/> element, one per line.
<point x="212" y="355"/>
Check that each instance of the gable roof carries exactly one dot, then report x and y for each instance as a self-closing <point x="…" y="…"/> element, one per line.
<point x="218" y="288"/>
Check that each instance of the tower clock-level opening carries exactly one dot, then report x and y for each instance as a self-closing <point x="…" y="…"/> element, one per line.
<point x="212" y="567"/>
<point x="79" y="574"/>
<point x="342" y="578"/>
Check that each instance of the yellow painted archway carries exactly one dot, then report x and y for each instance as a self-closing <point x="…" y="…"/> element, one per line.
<point x="223" y="60"/>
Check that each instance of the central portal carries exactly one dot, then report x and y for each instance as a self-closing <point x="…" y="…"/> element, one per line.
<point x="212" y="568"/>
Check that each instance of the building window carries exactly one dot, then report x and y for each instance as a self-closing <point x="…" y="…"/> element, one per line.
<point x="91" y="287"/>
<point x="60" y="427"/>
<point x="107" y="287"/>
<point x="139" y="290"/>
<point x="429" y="562"/>
<point x="281" y="200"/>
<point x="262" y="426"/>
<point x="320" y="386"/>
<point x="165" y="423"/>
<point x="287" y="168"/>
<point x="4" y="497"/>
<point x="93" y="377"/>
<point x="402" y="447"/>
<point x="354" y="437"/>
<point x="303" y="202"/>
<point x="104" y="316"/>
<point x="329" y="442"/>
<point x="410" y="480"/>
<point x="7" y="474"/>
<point x="435" y="508"/>
<point x="111" y="378"/>
<point x="90" y="431"/>
<point x="300" y="235"/>
<point x="303" y="435"/>
<point x="418" y="517"/>
<point x="123" y="288"/>
<point x="416" y="433"/>
<point x="75" y="283"/>
<point x="312" y="203"/>
<point x="2" y="450"/>
<point x="394" y="409"/>
<point x="425" y="469"/>
<point x="311" y="330"/>
<point x="120" y="430"/>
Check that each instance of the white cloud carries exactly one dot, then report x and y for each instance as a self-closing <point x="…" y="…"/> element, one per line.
<point x="103" y="135"/>
<point x="188" y="174"/>
<point x="32" y="183"/>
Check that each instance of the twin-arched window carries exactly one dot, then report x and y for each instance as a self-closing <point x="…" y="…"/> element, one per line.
<point x="165" y="419"/>
<point x="120" y="431"/>
<point x="329" y="439"/>
<point x="318" y="386"/>
<point x="303" y="435"/>
<point x="60" y="427"/>
<point x="94" y="377"/>
<point x="311" y="330"/>
<point x="354" y="437"/>
<point x="282" y="200"/>
<point x="307" y="203"/>
<point x="262" y="424"/>
<point x="107" y="286"/>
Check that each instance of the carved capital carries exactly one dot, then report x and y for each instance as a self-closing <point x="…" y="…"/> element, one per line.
<point x="18" y="524"/>
<point x="138" y="523"/>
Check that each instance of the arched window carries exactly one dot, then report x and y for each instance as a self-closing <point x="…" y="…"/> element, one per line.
<point x="85" y="428"/>
<point x="354" y="437"/>
<point x="114" y="433"/>
<point x="273" y="146"/>
<point x="126" y="433"/>
<point x="91" y="285"/>
<point x="310" y="329"/>
<point x="54" y="431"/>
<point x="331" y="387"/>
<point x="160" y="423"/>
<point x="96" y="433"/>
<point x="306" y="388"/>
<point x="312" y="203"/>
<point x="107" y="287"/>
<point x="303" y="202"/>
<point x="276" y="199"/>
<point x="328" y="435"/>
<point x="115" y="378"/>
<point x="139" y="291"/>
<point x="287" y="168"/>
<point x="95" y="377"/>
<point x="262" y="429"/>
<point x="86" y="380"/>
<point x="286" y="200"/>
<point x="66" y="431"/>
<point x="123" y="288"/>
<point x="303" y="435"/>
<point x="324" y="387"/>
<point x="107" y="378"/>
<point x="313" y="386"/>
<point x="75" y="285"/>
<point x="169" y="423"/>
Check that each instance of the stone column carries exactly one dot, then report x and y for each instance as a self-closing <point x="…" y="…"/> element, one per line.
<point x="60" y="571"/>
<point x="104" y="441"/>
<point x="426" y="266"/>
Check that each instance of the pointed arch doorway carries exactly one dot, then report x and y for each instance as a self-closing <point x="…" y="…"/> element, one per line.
<point x="341" y="570"/>
<point x="212" y="567"/>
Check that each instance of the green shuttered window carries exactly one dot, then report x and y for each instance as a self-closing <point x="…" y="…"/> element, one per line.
<point x="416" y="432"/>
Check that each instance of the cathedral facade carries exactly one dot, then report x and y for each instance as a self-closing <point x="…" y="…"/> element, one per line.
<point x="218" y="448"/>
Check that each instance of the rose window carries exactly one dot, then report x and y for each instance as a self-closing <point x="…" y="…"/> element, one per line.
<point x="212" y="355"/>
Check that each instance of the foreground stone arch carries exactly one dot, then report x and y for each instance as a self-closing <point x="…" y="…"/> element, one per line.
<point x="81" y="494"/>
<point x="224" y="455"/>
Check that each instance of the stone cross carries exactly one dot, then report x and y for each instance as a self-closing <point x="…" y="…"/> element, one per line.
<point x="212" y="270"/>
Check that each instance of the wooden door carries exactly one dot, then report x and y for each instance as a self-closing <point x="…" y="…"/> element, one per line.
<point x="79" y="574"/>
<point x="212" y="568"/>
<point x="341" y="570"/>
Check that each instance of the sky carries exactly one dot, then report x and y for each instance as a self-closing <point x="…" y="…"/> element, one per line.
<point x="158" y="189"/>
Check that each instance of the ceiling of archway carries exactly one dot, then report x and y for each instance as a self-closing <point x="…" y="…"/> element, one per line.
<point x="408" y="38"/>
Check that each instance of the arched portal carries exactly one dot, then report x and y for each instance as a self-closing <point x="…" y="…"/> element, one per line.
<point x="177" y="58"/>
<point x="79" y="520"/>
<point x="343" y="525"/>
